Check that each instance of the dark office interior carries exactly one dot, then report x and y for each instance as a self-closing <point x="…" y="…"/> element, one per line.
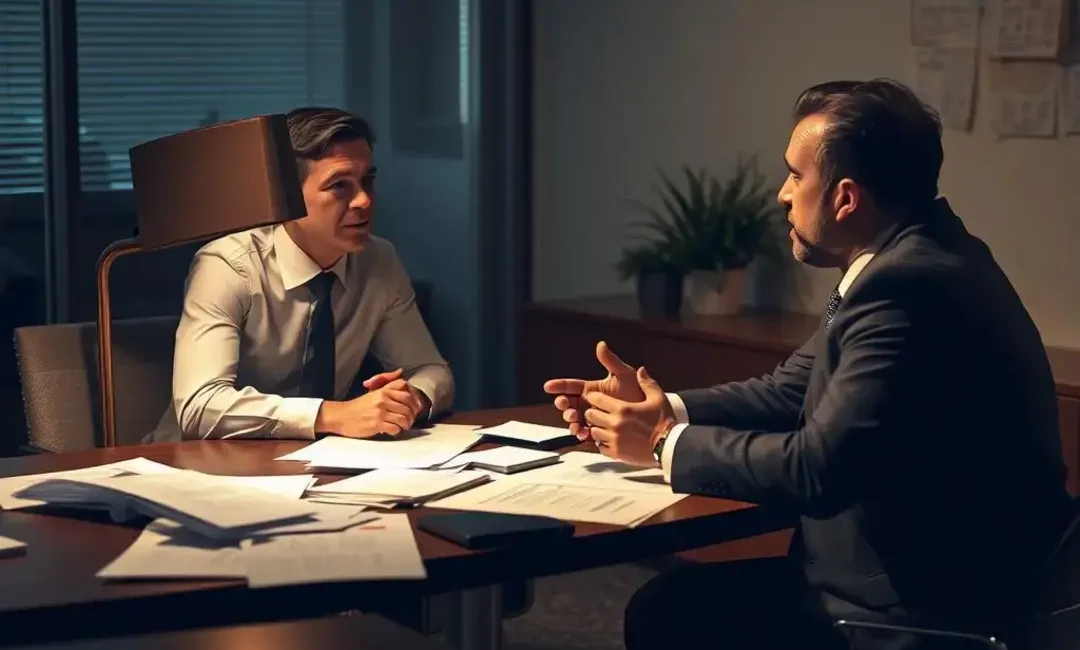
<point x="520" y="145"/>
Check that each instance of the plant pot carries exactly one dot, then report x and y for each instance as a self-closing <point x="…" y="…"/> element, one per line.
<point x="715" y="292"/>
<point x="660" y="293"/>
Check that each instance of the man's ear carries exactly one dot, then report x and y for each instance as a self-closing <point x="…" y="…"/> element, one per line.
<point x="846" y="197"/>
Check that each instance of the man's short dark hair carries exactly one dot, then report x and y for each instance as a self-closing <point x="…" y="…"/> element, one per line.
<point x="880" y="135"/>
<point x="314" y="129"/>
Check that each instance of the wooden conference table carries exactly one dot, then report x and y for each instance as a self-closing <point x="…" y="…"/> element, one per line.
<point x="51" y="592"/>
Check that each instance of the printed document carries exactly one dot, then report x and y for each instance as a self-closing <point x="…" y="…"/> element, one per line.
<point x="567" y="502"/>
<point x="416" y="448"/>
<point x="393" y="487"/>
<point x="10" y="547"/>
<point x="214" y="506"/>
<point x="383" y="549"/>
<point x="167" y="550"/>
<point x="292" y="486"/>
<point x="9" y="486"/>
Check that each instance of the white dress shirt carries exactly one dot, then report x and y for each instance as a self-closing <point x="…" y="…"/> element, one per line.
<point x="240" y="343"/>
<point x="683" y="418"/>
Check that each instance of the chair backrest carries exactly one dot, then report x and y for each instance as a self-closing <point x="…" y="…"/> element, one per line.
<point x="58" y="371"/>
<point x="1057" y="622"/>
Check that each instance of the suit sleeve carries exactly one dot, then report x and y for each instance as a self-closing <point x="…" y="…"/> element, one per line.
<point x="820" y="467"/>
<point x="402" y="340"/>
<point x="771" y="403"/>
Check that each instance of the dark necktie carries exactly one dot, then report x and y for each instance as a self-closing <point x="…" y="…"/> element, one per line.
<point x="834" y="304"/>
<point x="317" y="377"/>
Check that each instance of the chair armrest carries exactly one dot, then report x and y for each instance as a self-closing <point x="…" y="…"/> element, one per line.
<point x="988" y="641"/>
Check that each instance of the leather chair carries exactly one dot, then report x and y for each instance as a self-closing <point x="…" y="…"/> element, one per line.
<point x="1055" y="624"/>
<point x="58" y="372"/>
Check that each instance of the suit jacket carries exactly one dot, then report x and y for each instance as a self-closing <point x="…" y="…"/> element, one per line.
<point x="916" y="437"/>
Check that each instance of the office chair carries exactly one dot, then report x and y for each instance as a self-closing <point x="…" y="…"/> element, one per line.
<point x="1054" y="626"/>
<point x="58" y="373"/>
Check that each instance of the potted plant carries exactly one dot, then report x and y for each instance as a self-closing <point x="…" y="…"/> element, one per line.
<point x="659" y="278"/>
<point x="708" y="232"/>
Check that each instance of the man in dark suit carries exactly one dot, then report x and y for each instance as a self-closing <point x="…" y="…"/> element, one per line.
<point x="915" y="434"/>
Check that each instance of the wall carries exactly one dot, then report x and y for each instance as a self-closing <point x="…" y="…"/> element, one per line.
<point x="624" y="86"/>
<point x="425" y="206"/>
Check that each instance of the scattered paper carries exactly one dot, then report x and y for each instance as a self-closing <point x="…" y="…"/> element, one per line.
<point x="384" y="549"/>
<point x="291" y="486"/>
<point x="416" y="448"/>
<point x="1028" y="29"/>
<point x="1025" y="99"/>
<point x="946" y="79"/>
<point x="1071" y="101"/>
<point x="214" y="506"/>
<point x="394" y="487"/>
<point x="945" y="23"/>
<point x="591" y="470"/>
<point x="9" y="486"/>
<point x="505" y="459"/>
<point x="166" y="550"/>
<point x="526" y="432"/>
<point x="10" y="547"/>
<point x="564" y="502"/>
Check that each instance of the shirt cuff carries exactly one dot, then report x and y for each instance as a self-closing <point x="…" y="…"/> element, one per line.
<point x="429" y="393"/>
<point x="296" y="418"/>
<point x="679" y="408"/>
<point x="668" y="454"/>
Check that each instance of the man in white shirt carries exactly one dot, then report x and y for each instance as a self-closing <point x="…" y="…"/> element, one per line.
<point x="278" y="320"/>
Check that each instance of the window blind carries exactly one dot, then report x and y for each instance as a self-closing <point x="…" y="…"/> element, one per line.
<point x="147" y="69"/>
<point x="21" y="76"/>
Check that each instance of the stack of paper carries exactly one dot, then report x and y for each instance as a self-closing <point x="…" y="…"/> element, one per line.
<point x="416" y="448"/>
<point x="11" y="485"/>
<point x="533" y="435"/>
<point x="389" y="488"/>
<point x="505" y="460"/>
<point x="583" y="487"/>
<point x="373" y="548"/>
<point x="11" y="547"/>
<point x="216" y="507"/>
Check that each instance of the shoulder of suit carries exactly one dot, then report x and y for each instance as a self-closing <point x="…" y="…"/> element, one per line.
<point x="913" y="270"/>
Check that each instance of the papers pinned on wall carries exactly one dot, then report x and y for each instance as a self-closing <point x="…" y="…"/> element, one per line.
<point x="1024" y="98"/>
<point x="946" y="78"/>
<point x="945" y="23"/>
<point x="1028" y="29"/>
<point x="1070" y="105"/>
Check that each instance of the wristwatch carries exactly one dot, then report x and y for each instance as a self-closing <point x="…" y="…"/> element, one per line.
<point x="658" y="448"/>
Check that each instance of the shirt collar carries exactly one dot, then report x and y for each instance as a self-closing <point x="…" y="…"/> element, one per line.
<point x="853" y="272"/>
<point x="294" y="264"/>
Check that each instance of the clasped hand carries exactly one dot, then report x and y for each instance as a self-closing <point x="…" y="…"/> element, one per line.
<point x="390" y="406"/>
<point x="623" y="413"/>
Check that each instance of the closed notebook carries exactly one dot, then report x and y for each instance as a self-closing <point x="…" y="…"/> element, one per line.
<point x="476" y="530"/>
<point x="526" y="434"/>
<point x="505" y="459"/>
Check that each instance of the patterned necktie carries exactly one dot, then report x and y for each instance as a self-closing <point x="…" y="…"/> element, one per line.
<point x="317" y="376"/>
<point x="834" y="304"/>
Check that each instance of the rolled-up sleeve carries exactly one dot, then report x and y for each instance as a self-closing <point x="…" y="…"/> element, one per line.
<point x="207" y="402"/>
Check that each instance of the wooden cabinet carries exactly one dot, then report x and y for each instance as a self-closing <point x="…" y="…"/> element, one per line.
<point x="558" y="339"/>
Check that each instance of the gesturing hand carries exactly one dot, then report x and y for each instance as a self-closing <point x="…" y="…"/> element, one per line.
<point x="628" y="431"/>
<point x="620" y="383"/>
